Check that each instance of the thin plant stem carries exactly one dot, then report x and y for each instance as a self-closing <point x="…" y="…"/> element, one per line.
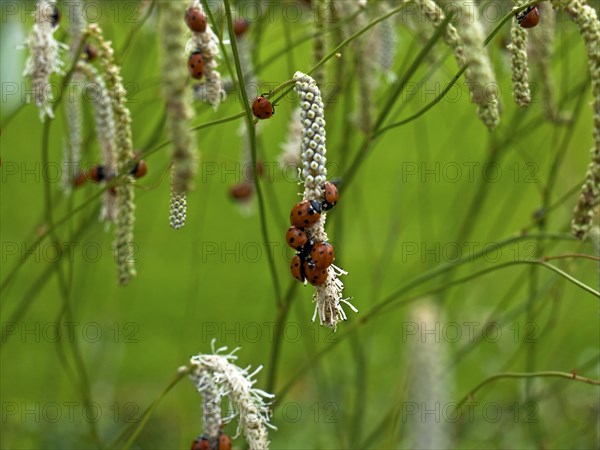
<point x="513" y="375"/>
<point x="241" y="86"/>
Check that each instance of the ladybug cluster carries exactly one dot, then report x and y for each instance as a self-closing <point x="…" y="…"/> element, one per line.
<point x="196" y="21"/>
<point x="312" y="259"/>
<point x="99" y="173"/>
<point x="203" y="443"/>
<point x="529" y="18"/>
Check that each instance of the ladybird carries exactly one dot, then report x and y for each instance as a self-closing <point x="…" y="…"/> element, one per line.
<point x="224" y="442"/>
<point x="305" y="214"/>
<point x="201" y="443"/>
<point x="529" y="18"/>
<point x="313" y="274"/>
<point x="296" y="238"/>
<point x="297" y="268"/>
<point x="262" y="108"/>
<point x="240" y="27"/>
<point x="55" y="16"/>
<point x="80" y="179"/>
<point x="140" y="169"/>
<point x="196" y="65"/>
<point x="97" y="173"/>
<point x="331" y="196"/>
<point x="241" y="191"/>
<point x="322" y="255"/>
<point x="195" y="20"/>
<point x="90" y="52"/>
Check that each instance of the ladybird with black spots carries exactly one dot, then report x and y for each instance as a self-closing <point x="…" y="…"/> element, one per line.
<point x="262" y="108"/>
<point x="242" y="191"/>
<point x="315" y="275"/>
<point x="201" y="443"/>
<point x="322" y="255"/>
<point x="296" y="237"/>
<point x="529" y="18"/>
<point x="331" y="196"/>
<point x="196" y="65"/>
<point x="305" y="214"/>
<point x="240" y="27"/>
<point x="195" y="20"/>
<point x="140" y="169"/>
<point x="297" y="268"/>
<point x="98" y="173"/>
<point x="224" y="442"/>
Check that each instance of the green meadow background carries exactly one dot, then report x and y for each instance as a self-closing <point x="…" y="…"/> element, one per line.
<point x="430" y="194"/>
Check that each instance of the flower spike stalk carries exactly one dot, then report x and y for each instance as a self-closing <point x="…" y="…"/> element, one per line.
<point x="217" y="377"/>
<point x="584" y="16"/>
<point x="328" y="296"/>
<point x="44" y="56"/>
<point x="124" y="190"/>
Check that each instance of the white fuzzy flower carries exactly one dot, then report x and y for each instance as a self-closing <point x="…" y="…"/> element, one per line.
<point x="328" y="296"/>
<point x="44" y="56"/>
<point x="177" y="210"/>
<point x="207" y="43"/>
<point x="216" y="377"/>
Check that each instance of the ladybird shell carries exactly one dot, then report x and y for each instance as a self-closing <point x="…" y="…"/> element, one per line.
<point x="201" y="443"/>
<point x="196" y="65"/>
<point x="195" y="20"/>
<point x="97" y="173"/>
<point x="80" y="179"/>
<point x="322" y="255"/>
<point x="296" y="238"/>
<point x="241" y="191"/>
<point x="331" y="195"/>
<point x="529" y="18"/>
<point x="224" y="442"/>
<point x="262" y="108"/>
<point x="315" y="275"/>
<point x="140" y="169"/>
<point x="305" y="214"/>
<point x="90" y="52"/>
<point x="55" y="16"/>
<point x="297" y="268"/>
<point x="240" y="27"/>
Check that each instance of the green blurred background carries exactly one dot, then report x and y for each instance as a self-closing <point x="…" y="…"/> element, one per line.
<point x="413" y="207"/>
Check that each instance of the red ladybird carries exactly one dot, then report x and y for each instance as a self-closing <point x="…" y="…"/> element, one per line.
<point x="322" y="255"/>
<point x="97" y="173"/>
<point x="240" y="27"/>
<point x="140" y="169"/>
<point x="55" y="16"/>
<point x="241" y="191"/>
<point x="80" y="179"/>
<point x="305" y="214"/>
<point x="90" y="52"/>
<point x="297" y="268"/>
<point x="262" y="108"/>
<point x="296" y="238"/>
<point x="224" y="442"/>
<point x="195" y="20"/>
<point x="529" y="18"/>
<point x="331" y="196"/>
<point x="201" y="443"/>
<point x="314" y="275"/>
<point x="196" y="65"/>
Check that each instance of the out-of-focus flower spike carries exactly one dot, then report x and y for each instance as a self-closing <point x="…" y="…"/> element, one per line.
<point x="479" y="74"/>
<point x="585" y="18"/>
<point x="124" y="149"/>
<point x="216" y="377"/>
<point x="44" y="55"/>
<point x="207" y="43"/>
<point x="518" y="61"/>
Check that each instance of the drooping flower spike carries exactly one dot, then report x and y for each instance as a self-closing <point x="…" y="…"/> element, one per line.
<point x="585" y="18"/>
<point x="44" y="55"/>
<point x="328" y="287"/>
<point x="217" y="377"/>
<point x="518" y="60"/>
